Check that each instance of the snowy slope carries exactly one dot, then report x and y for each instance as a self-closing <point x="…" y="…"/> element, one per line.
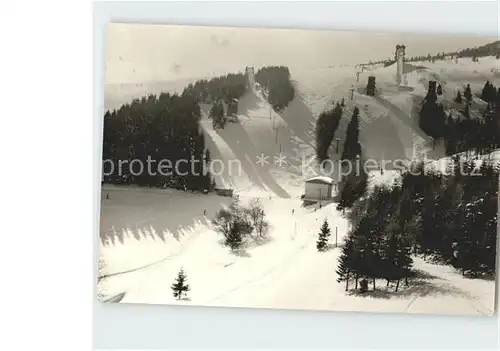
<point x="151" y="234"/>
<point x="286" y="272"/>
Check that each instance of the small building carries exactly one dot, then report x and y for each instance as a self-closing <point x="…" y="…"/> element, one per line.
<point x="224" y="192"/>
<point x="319" y="188"/>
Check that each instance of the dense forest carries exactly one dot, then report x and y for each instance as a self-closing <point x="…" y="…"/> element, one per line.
<point x="162" y="128"/>
<point x="326" y="126"/>
<point x="458" y="129"/>
<point x="165" y="128"/>
<point x="275" y="80"/>
<point x="353" y="185"/>
<point x="450" y="217"/>
<point x="225" y="88"/>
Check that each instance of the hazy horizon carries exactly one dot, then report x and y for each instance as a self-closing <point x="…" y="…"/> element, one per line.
<point x="140" y="53"/>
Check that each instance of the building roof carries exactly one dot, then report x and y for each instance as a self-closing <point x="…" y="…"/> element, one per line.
<point x="320" y="179"/>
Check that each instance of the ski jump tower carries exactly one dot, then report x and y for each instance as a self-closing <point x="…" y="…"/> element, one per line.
<point x="250" y="72"/>
<point x="400" y="58"/>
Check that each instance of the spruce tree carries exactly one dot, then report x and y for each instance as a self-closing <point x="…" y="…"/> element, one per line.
<point x="404" y="262"/>
<point x="234" y="237"/>
<point x="458" y="99"/>
<point x="179" y="287"/>
<point x="370" y="245"/>
<point x="345" y="266"/>
<point x="439" y="90"/>
<point x="326" y="126"/>
<point x="323" y="236"/>
<point x="352" y="147"/>
<point x="353" y="186"/>
<point x="389" y="267"/>
<point x="432" y="115"/>
<point x="486" y="92"/>
<point x="342" y="103"/>
<point x="489" y="93"/>
<point x="370" y="87"/>
<point x="466" y="111"/>
<point x="468" y="94"/>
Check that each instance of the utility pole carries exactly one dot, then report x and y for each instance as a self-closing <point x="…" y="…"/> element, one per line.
<point x="336" y="232"/>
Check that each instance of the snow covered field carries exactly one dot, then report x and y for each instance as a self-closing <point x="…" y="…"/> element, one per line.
<point x="151" y="234"/>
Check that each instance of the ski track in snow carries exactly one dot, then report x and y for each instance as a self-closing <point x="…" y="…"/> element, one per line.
<point x="278" y="273"/>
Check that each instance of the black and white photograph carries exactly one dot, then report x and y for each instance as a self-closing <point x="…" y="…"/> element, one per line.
<point x="300" y="169"/>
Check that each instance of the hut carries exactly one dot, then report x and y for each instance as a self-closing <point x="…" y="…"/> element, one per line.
<point x="318" y="188"/>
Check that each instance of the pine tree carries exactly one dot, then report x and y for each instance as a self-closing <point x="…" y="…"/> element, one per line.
<point x="439" y="90"/>
<point x="458" y="99"/>
<point x="352" y="147"/>
<point x="431" y="96"/>
<point x="323" y="236"/>
<point x="389" y="267"/>
<point x="180" y="287"/>
<point x="234" y="238"/>
<point x="326" y="126"/>
<point x="370" y="87"/>
<point x="345" y="266"/>
<point x="489" y="93"/>
<point x="432" y="115"/>
<point x="369" y="243"/>
<point x="466" y="111"/>
<point x="217" y="115"/>
<point x="342" y="103"/>
<point x="468" y="94"/>
<point x="485" y="94"/>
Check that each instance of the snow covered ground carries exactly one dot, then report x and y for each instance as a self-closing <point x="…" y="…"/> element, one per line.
<point x="151" y="234"/>
<point x="286" y="272"/>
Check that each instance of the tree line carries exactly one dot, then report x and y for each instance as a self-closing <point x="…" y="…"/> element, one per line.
<point x="223" y="88"/>
<point x="449" y="216"/>
<point x="276" y="81"/>
<point x="352" y="185"/>
<point x="491" y="49"/>
<point x="164" y="127"/>
<point x="458" y="129"/>
<point x="326" y="126"/>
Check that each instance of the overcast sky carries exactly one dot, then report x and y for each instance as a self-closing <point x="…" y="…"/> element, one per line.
<point x="145" y="53"/>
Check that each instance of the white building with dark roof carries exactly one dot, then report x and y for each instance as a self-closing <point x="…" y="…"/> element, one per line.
<point x="319" y="188"/>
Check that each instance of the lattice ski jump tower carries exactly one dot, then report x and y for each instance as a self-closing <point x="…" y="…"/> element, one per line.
<point x="400" y="58"/>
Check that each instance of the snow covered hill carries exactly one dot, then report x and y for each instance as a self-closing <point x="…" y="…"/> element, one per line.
<point x="286" y="272"/>
<point x="152" y="234"/>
